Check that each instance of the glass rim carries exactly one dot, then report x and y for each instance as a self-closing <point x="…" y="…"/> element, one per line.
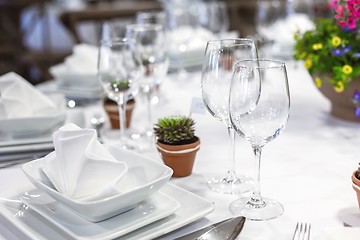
<point x="112" y="41"/>
<point x="152" y="13"/>
<point x="144" y="26"/>
<point x="240" y="63"/>
<point x="230" y="39"/>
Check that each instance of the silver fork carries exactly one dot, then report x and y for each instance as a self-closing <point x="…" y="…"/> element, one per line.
<point x="302" y="231"/>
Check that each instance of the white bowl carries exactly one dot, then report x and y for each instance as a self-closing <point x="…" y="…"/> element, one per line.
<point x="143" y="178"/>
<point x="69" y="78"/>
<point x="26" y="126"/>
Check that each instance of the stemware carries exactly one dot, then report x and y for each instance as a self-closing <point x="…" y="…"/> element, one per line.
<point x="216" y="78"/>
<point x="155" y="17"/>
<point x="118" y="75"/>
<point x="147" y="47"/>
<point x="259" y="107"/>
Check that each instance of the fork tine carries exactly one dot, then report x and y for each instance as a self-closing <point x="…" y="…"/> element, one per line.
<point x="302" y="231"/>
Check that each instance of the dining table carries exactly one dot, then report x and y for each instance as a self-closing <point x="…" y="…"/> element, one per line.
<point x="307" y="168"/>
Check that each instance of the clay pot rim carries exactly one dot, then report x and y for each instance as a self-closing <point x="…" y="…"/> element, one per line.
<point x="354" y="179"/>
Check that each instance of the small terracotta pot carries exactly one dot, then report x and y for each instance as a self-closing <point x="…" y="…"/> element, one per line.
<point x="356" y="182"/>
<point x="112" y="111"/>
<point x="180" y="158"/>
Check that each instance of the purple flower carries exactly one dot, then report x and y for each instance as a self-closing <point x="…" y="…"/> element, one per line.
<point x="341" y="51"/>
<point x="356" y="97"/>
<point x="356" y="55"/>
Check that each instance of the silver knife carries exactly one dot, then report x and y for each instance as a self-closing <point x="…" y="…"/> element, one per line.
<point x="227" y="229"/>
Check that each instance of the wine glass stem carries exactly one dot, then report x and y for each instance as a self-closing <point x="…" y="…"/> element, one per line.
<point x="149" y="113"/>
<point x="256" y="197"/>
<point x="232" y="135"/>
<point x="122" y="119"/>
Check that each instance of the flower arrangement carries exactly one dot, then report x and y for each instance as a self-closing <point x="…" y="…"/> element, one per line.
<point x="333" y="46"/>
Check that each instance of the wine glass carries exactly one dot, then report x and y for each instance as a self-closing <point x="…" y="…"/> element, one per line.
<point x="147" y="47"/>
<point x="215" y="82"/>
<point x="259" y="107"/>
<point x="117" y="73"/>
<point x="213" y="16"/>
<point x="155" y="17"/>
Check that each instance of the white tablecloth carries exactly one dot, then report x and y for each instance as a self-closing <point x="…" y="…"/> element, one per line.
<point x="307" y="168"/>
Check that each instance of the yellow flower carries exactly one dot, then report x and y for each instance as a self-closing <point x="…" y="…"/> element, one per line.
<point x="318" y="82"/>
<point x="336" y="41"/>
<point x="347" y="69"/>
<point x="339" y="87"/>
<point x="317" y="46"/>
<point x="308" y="63"/>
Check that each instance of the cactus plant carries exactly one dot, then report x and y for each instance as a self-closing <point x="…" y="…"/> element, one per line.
<point x="175" y="130"/>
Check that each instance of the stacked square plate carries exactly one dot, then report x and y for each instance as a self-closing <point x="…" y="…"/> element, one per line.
<point x="147" y="207"/>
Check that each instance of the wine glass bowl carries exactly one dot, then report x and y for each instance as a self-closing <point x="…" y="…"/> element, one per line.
<point x="147" y="43"/>
<point x="118" y="74"/>
<point x="259" y="106"/>
<point x="215" y="83"/>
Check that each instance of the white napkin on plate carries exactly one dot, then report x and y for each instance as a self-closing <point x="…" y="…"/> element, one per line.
<point x="20" y="99"/>
<point x="80" y="167"/>
<point x="83" y="60"/>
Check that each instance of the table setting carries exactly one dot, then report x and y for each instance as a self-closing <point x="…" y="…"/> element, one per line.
<point x="68" y="174"/>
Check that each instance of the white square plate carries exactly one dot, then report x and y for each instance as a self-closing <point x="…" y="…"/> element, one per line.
<point x="156" y="207"/>
<point x="25" y="223"/>
<point x="144" y="177"/>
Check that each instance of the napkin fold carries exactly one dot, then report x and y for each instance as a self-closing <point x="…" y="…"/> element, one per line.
<point x="20" y="99"/>
<point x="81" y="167"/>
<point x="83" y="60"/>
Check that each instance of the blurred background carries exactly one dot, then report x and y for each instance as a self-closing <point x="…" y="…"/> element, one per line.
<point x="37" y="34"/>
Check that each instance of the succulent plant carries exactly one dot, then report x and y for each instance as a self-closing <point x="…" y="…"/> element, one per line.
<point x="175" y="130"/>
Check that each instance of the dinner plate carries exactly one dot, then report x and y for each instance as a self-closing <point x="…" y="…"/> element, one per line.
<point x="158" y="206"/>
<point x="143" y="178"/>
<point x="25" y="223"/>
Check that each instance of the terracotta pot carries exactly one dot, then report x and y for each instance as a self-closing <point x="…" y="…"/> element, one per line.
<point x="357" y="183"/>
<point x="342" y="105"/>
<point x="180" y="158"/>
<point x="112" y="111"/>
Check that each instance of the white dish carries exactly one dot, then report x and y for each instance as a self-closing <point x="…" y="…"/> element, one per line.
<point x="27" y="224"/>
<point x="144" y="177"/>
<point x="65" y="77"/>
<point x="19" y="127"/>
<point x="156" y="207"/>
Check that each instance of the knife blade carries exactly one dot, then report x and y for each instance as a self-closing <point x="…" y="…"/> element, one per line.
<point x="225" y="229"/>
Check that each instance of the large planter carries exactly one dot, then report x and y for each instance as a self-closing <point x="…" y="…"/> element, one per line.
<point x="180" y="158"/>
<point x="356" y="186"/>
<point x="112" y="111"/>
<point x="342" y="104"/>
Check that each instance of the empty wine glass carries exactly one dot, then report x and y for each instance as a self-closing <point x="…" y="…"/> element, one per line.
<point x="220" y="55"/>
<point x="259" y="107"/>
<point x="155" y="17"/>
<point x="117" y="74"/>
<point x="147" y="46"/>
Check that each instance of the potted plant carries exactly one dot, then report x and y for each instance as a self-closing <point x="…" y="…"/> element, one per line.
<point x="356" y="183"/>
<point x="331" y="53"/>
<point x="112" y="108"/>
<point x="177" y="143"/>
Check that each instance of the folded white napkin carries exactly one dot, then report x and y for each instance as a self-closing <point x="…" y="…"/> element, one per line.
<point x="20" y="99"/>
<point x="83" y="60"/>
<point x="80" y="167"/>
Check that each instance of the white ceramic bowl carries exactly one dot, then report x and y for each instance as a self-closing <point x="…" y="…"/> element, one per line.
<point x="26" y="126"/>
<point x="143" y="178"/>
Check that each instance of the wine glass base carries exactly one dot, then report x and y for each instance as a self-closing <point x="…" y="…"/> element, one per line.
<point x="231" y="184"/>
<point x="265" y="210"/>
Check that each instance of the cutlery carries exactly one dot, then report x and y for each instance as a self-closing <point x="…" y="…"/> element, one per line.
<point x="302" y="231"/>
<point x="98" y="122"/>
<point x="226" y="229"/>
